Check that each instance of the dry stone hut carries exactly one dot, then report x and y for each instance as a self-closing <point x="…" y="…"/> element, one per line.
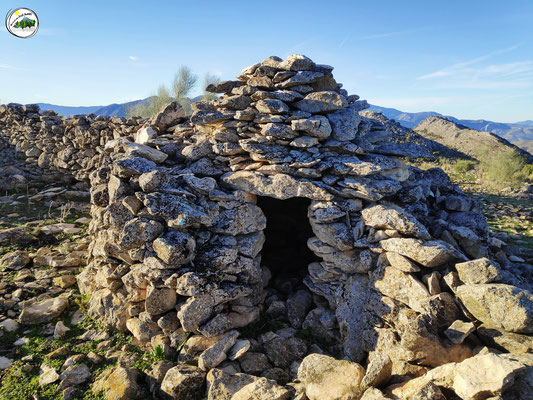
<point x="279" y="198"/>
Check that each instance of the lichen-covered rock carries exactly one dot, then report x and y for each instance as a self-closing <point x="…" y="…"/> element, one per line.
<point x="429" y="254"/>
<point x="118" y="383"/>
<point x="499" y="306"/>
<point x="262" y="389"/>
<point x="317" y="126"/>
<point x="170" y="115"/>
<point x="477" y="271"/>
<point x="182" y="382"/>
<point x="321" y="102"/>
<point x="478" y="377"/>
<point x="511" y="342"/>
<point x="390" y="217"/>
<point x="325" y="378"/>
<point x="175" y="248"/>
<point x="344" y="124"/>
<point x="400" y="286"/>
<point x="15" y="260"/>
<point x="217" y="353"/>
<point x="159" y="299"/>
<point x="279" y="186"/>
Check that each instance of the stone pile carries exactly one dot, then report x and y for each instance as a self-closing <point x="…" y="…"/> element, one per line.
<point x="54" y="148"/>
<point x="405" y="278"/>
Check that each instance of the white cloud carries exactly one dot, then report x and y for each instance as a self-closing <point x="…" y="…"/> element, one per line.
<point x="390" y="34"/>
<point x="12" y="67"/>
<point x="475" y="74"/>
<point x="133" y="58"/>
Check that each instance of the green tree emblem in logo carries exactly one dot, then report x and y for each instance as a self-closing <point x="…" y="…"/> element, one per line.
<point x="25" y="23"/>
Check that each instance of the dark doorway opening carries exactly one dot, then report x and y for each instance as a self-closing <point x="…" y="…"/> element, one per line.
<point x="285" y="251"/>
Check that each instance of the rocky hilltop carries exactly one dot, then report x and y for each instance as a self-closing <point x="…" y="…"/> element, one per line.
<point x="464" y="139"/>
<point x="275" y="246"/>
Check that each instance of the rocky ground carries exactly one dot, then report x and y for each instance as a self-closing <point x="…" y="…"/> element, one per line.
<point x="509" y="210"/>
<point x="50" y="348"/>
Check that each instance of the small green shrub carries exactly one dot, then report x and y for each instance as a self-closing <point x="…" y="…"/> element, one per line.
<point x="504" y="168"/>
<point x="463" y="166"/>
<point x="147" y="359"/>
<point x="528" y="171"/>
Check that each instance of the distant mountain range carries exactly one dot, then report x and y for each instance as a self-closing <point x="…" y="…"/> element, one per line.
<point x="520" y="133"/>
<point x="112" y="110"/>
<point x="513" y="132"/>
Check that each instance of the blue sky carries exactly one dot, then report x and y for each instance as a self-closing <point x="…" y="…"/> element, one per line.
<point x="470" y="59"/>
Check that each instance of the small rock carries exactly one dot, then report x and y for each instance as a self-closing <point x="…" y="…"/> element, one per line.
<point x="262" y="389"/>
<point x="182" y="382"/>
<point x="159" y="300"/>
<point x="9" y="325"/>
<point x="271" y="106"/>
<point x="141" y="150"/>
<point x="65" y="281"/>
<point x="70" y="393"/>
<point x="429" y="254"/>
<point x="169" y="115"/>
<point x="76" y="317"/>
<point x="143" y="135"/>
<point x="374" y="394"/>
<point x="118" y="383"/>
<point x="401" y="262"/>
<point x="321" y="102"/>
<point x="72" y="360"/>
<point x="394" y="217"/>
<point x="43" y="311"/>
<point x="478" y="377"/>
<point x="21" y="342"/>
<point x="254" y="363"/>
<point x="283" y="351"/>
<point x="5" y="363"/>
<point x="511" y="342"/>
<point x="15" y="260"/>
<point x="75" y="375"/>
<point x="477" y="271"/>
<point x="326" y="378"/>
<point x="499" y="306"/>
<point x="60" y="330"/>
<point x="378" y="372"/>
<point x="239" y="349"/>
<point x="215" y="354"/>
<point x="298" y="305"/>
<point x="47" y="375"/>
<point x="459" y="331"/>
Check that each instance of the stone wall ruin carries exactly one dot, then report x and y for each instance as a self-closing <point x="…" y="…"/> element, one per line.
<point x="181" y="212"/>
<point x="49" y="148"/>
<point x="177" y="246"/>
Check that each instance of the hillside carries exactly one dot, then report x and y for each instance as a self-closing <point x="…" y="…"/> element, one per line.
<point x="511" y="131"/>
<point x="460" y="137"/>
<point x="527" y="145"/>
